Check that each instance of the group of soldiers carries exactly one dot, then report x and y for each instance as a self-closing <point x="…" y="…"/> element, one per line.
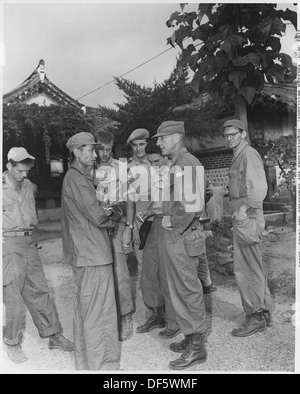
<point x="150" y="205"/>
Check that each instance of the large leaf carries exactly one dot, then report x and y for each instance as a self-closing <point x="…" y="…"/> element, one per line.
<point x="237" y="78"/>
<point x="174" y="17"/>
<point x="224" y="31"/>
<point x="185" y="57"/>
<point x="274" y="43"/>
<point x="248" y="93"/>
<point x="277" y="71"/>
<point x="193" y="62"/>
<point x="278" y="27"/>
<point x="190" y="17"/>
<point x="202" y="32"/>
<point x="265" y="28"/>
<point x="289" y="15"/>
<point x="197" y="78"/>
<point x="182" y="5"/>
<point x="204" y="9"/>
<point x="222" y="60"/>
<point x="227" y="48"/>
<point x="241" y="61"/>
<point x="286" y="60"/>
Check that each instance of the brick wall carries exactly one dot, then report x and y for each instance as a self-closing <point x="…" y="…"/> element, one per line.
<point x="215" y="159"/>
<point x="216" y="166"/>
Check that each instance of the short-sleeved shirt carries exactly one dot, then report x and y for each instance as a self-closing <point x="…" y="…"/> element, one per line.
<point x="19" y="211"/>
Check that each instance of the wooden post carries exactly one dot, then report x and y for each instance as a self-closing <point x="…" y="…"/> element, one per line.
<point x="241" y="113"/>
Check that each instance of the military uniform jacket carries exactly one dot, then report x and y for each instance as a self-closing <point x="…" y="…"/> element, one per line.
<point x="247" y="180"/>
<point x="84" y="222"/>
<point x="186" y="199"/>
<point x="18" y="213"/>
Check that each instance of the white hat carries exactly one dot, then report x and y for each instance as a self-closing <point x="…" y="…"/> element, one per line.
<point x="19" y="154"/>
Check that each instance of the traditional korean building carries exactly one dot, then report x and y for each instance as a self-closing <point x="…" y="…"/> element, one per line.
<point x="49" y="167"/>
<point x="272" y="116"/>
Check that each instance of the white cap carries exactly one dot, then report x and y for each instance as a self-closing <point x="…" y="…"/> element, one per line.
<point x="19" y="154"/>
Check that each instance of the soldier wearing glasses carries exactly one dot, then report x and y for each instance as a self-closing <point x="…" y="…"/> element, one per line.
<point x="247" y="190"/>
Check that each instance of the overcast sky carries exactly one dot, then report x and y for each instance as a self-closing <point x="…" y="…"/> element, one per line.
<point x="86" y="45"/>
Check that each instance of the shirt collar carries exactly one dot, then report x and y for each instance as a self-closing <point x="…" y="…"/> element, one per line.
<point x="108" y="163"/>
<point x="139" y="161"/>
<point x="178" y="154"/>
<point x="8" y="183"/>
<point x="86" y="173"/>
<point x="239" y="149"/>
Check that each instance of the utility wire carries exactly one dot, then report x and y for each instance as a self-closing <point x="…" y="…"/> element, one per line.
<point x="135" y="68"/>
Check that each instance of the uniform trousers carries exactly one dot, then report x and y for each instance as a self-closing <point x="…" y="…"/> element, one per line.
<point x="249" y="269"/>
<point x="24" y="281"/>
<point x="96" y="336"/>
<point x="154" y="284"/>
<point x="185" y="290"/>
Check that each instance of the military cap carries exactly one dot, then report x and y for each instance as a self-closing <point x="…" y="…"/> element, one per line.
<point x="235" y="122"/>
<point x="138" y="134"/>
<point x="170" y="127"/>
<point x="80" y="139"/>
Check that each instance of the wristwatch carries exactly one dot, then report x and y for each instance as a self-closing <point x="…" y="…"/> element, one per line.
<point x="129" y="225"/>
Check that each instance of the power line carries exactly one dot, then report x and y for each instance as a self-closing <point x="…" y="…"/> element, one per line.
<point x="135" y="68"/>
<point x="140" y="65"/>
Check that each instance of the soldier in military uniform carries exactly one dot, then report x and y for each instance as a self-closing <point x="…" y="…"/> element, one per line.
<point x="183" y="237"/>
<point x="138" y="197"/>
<point x="111" y="177"/>
<point x="23" y="275"/>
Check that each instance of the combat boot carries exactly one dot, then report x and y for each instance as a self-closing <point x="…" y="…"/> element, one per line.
<point x="179" y="347"/>
<point x="58" y="341"/>
<point x="195" y="353"/>
<point x="254" y="323"/>
<point x="156" y="320"/>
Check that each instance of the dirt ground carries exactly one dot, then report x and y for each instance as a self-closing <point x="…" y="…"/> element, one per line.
<point x="270" y="351"/>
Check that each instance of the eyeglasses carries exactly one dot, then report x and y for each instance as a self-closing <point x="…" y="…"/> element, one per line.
<point x="231" y="135"/>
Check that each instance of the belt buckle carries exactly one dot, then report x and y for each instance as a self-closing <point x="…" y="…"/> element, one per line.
<point x="26" y="233"/>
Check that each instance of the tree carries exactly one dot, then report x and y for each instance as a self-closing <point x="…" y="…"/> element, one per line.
<point x="283" y="153"/>
<point x="147" y="107"/>
<point x="235" y="51"/>
<point x="55" y="122"/>
<point x="36" y="126"/>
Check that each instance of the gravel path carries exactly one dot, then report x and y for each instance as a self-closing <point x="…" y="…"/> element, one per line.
<point x="272" y="350"/>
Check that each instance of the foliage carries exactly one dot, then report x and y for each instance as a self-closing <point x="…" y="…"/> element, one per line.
<point x="55" y="123"/>
<point x="203" y="121"/>
<point x="101" y="119"/>
<point x="236" y="51"/>
<point x="282" y="152"/>
<point x="148" y="107"/>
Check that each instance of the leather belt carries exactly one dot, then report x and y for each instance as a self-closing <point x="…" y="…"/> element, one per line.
<point x="18" y="233"/>
<point x="158" y="216"/>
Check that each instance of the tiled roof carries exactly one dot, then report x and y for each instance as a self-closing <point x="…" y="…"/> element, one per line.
<point x="286" y="94"/>
<point x="35" y="85"/>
